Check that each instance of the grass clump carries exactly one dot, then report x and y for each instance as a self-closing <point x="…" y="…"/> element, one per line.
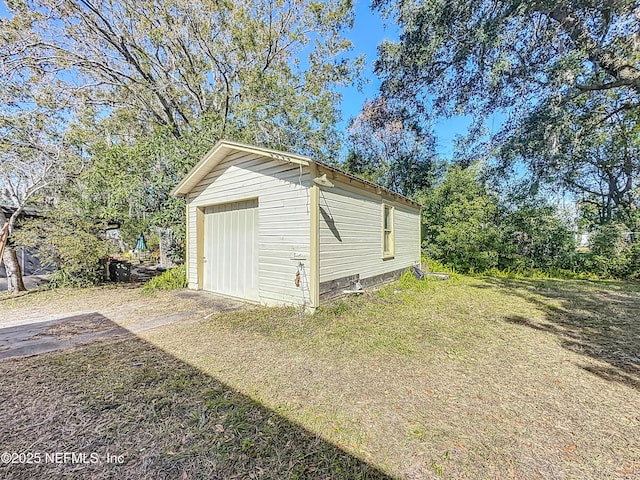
<point x="430" y="264"/>
<point x="172" y="279"/>
<point x="537" y="273"/>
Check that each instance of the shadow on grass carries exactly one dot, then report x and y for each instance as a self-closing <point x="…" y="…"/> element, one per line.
<point x="130" y="410"/>
<point x="600" y="321"/>
<point x="61" y="334"/>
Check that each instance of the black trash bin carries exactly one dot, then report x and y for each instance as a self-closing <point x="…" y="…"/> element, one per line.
<point x="119" y="271"/>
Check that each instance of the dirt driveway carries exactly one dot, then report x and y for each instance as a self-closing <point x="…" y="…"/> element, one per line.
<point x="69" y="321"/>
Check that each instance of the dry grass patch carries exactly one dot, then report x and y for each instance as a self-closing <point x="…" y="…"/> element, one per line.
<point x="442" y="379"/>
<point x="164" y="418"/>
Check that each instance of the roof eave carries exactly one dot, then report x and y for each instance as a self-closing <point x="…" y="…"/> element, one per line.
<point x="219" y="151"/>
<point x="374" y="186"/>
<point x="223" y="147"/>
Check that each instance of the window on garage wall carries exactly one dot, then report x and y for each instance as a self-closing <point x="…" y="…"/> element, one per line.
<point x="387" y="231"/>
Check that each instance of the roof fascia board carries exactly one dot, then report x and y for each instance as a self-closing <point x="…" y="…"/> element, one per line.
<point x="267" y="152"/>
<point x="366" y="185"/>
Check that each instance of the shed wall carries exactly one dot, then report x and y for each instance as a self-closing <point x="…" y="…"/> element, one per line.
<point x="351" y="234"/>
<point x="283" y="229"/>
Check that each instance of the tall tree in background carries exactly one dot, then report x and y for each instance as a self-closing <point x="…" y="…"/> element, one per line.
<point x="590" y="147"/>
<point x="388" y="148"/>
<point x="34" y="155"/>
<point x="176" y="63"/>
<point x="558" y="69"/>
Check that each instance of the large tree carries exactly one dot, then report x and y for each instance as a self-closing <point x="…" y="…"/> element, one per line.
<point x="263" y="71"/>
<point x="34" y="155"/>
<point x="388" y="148"/>
<point x="591" y="147"/>
<point x="557" y="69"/>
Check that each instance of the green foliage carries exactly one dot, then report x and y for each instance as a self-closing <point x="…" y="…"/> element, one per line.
<point x="409" y="280"/>
<point x="172" y="279"/>
<point x="539" y="273"/>
<point x="472" y="230"/>
<point x="74" y="245"/>
<point x="613" y="253"/>
<point x="477" y="56"/>
<point x="438" y="266"/>
<point x="459" y="222"/>
<point x="535" y="236"/>
<point x="249" y="70"/>
<point x="591" y="148"/>
<point x="132" y="184"/>
<point x="155" y="85"/>
<point x="564" y="74"/>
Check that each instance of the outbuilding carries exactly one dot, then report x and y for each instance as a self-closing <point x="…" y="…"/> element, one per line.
<point x="283" y="229"/>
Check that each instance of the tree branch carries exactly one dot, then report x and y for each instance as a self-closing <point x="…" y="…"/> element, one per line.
<point x="623" y="73"/>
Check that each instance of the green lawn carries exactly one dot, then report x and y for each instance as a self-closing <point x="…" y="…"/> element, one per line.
<point x="464" y="378"/>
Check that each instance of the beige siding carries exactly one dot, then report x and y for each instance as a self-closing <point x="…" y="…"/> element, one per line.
<point x="283" y="230"/>
<point x="351" y="233"/>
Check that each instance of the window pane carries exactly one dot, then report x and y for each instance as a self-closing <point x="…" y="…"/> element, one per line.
<point x="387" y="217"/>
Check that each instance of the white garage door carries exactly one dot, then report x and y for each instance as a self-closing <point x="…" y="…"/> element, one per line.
<point x="231" y="249"/>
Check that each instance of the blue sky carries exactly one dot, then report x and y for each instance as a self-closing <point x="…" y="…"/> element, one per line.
<point x="369" y="31"/>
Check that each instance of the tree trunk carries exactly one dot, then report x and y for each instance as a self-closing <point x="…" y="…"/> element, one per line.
<point x="10" y="260"/>
<point x="12" y="267"/>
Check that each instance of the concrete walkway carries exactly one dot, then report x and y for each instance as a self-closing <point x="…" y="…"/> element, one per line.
<point x="42" y="332"/>
<point x="34" y="338"/>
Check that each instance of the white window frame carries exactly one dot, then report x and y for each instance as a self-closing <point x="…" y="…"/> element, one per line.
<point x="388" y="232"/>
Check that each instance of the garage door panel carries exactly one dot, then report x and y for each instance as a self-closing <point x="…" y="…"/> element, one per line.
<point x="231" y="249"/>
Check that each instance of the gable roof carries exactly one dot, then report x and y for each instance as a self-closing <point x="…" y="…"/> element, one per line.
<point x="224" y="147"/>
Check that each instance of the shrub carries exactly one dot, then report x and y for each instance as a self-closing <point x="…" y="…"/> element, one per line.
<point x="459" y="222"/>
<point x="612" y="254"/>
<point x="172" y="279"/>
<point x="74" y="246"/>
<point x="536" y="236"/>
